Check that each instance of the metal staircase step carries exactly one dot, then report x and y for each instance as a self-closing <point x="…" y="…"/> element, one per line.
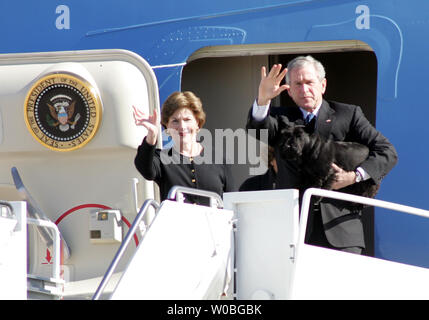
<point x="42" y="288"/>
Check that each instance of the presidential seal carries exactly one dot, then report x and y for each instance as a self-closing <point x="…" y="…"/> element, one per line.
<point x="62" y="111"/>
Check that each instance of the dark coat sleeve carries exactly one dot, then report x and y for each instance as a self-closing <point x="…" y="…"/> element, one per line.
<point x="382" y="154"/>
<point x="271" y="124"/>
<point x="147" y="163"/>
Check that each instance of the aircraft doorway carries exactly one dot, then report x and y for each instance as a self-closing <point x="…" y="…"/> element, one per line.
<point x="228" y="85"/>
<point x="351" y="78"/>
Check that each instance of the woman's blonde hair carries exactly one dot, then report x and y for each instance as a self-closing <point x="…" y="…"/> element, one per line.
<point x="178" y="100"/>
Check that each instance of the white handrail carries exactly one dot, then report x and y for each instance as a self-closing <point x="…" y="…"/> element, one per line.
<point x="56" y="244"/>
<point x="176" y="193"/>
<point x="352" y="198"/>
<point x="132" y="230"/>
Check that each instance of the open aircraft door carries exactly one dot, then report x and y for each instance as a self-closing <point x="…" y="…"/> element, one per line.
<point x="67" y="126"/>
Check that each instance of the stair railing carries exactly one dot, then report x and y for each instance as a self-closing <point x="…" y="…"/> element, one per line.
<point x="132" y="230"/>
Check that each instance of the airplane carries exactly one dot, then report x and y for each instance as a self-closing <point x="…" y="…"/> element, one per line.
<point x="113" y="55"/>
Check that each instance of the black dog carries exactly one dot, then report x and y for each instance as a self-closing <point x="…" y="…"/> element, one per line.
<point x="313" y="155"/>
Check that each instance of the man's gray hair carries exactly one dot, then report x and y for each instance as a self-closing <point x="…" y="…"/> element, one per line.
<point x="301" y="61"/>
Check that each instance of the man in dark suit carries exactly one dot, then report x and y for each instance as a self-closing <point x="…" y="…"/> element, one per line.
<point x="332" y="224"/>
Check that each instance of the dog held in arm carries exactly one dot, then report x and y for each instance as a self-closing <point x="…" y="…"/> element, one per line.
<point x="313" y="155"/>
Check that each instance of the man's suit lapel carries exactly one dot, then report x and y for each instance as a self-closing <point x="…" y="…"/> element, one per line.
<point x="325" y="120"/>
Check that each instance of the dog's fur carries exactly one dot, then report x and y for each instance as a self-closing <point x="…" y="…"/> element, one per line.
<point x="313" y="155"/>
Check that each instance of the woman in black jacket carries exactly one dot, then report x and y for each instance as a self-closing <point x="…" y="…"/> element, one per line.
<point x="184" y="164"/>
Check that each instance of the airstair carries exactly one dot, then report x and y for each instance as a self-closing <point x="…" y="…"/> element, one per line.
<point x="248" y="245"/>
<point x="268" y="258"/>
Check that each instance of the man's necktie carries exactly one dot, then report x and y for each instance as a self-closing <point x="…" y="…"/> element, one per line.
<point x="310" y="122"/>
<point x="308" y="118"/>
